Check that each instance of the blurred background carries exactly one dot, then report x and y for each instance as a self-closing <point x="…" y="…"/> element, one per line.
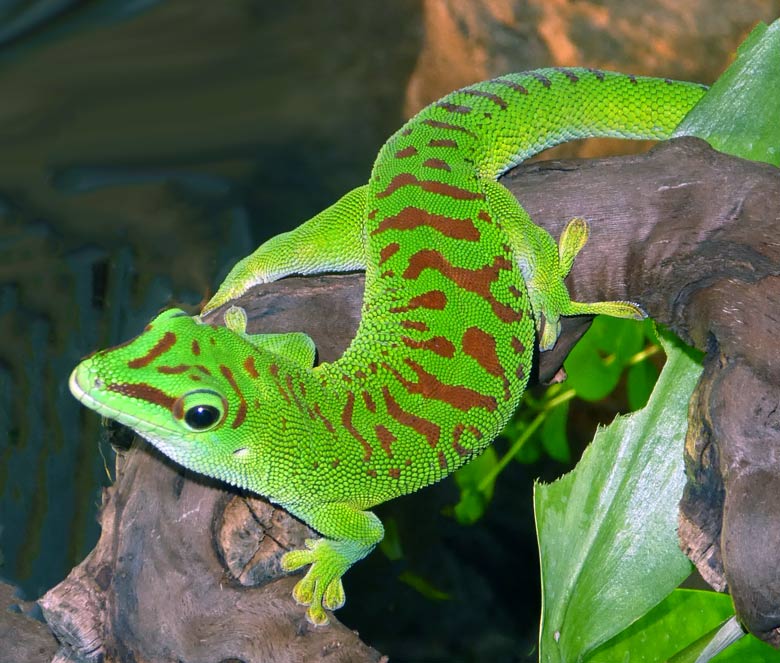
<point x="146" y="145"/>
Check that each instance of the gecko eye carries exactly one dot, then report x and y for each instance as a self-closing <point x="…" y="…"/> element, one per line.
<point x="200" y="410"/>
<point x="201" y="417"/>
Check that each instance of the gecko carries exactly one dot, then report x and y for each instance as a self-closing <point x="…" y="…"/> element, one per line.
<point x="460" y="285"/>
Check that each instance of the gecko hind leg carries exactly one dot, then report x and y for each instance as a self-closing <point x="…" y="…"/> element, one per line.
<point x="573" y="238"/>
<point x="545" y="264"/>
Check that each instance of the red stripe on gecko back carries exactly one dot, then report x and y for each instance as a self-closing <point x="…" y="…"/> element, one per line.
<point x="388" y="251"/>
<point x="481" y="346"/>
<point x="409" y="151"/>
<point x="418" y="325"/>
<point x="429" y="386"/>
<point x="517" y="345"/>
<point x="484" y="216"/>
<point x="477" y="281"/>
<point x="454" y="108"/>
<point x="442" y="142"/>
<point x="438" y="345"/>
<point x="273" y="369"/>
<point x="429" y="430"/>
<point x="173" y="370"/>
<point x="369" y="401"/>
<point x="569" y="74"/>
<point x="411" y="218"/>
<point x="541" y="78"/>
<point x="511" y="85"/>
<point x="323" y="418"/>
<point x="346" y="420"/>
<point x="437" y="164"/>
<point x="498" y="101"/>
<point x="160" y="348"/>
<point x="438" y="124"/>
<point x="433" y="299"/>
<point x="386" y="439"/>
<point x="431" y="186"/>
<point x="456" y="445"/>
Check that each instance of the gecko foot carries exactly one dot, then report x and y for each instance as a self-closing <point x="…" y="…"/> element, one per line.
<point x="321" y="588"/>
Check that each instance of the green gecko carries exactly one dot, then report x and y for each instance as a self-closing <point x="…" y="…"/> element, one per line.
<point x="459" y="281"/>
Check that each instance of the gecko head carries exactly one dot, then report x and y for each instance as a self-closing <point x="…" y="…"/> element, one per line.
<point x="193" y="390"/>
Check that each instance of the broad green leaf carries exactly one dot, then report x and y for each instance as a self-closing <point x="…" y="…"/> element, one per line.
<point x="608" y="530"/>
<point x="740" y="113"/>
<point x="678" y="629"/>
<point x="748" y="649"/>
<point x="680" y="620"/>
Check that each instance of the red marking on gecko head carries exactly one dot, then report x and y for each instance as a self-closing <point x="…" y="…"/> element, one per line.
<point x="249" y="366"/>
<point x="161" y="347"/>
<point x="144" y="392"/>
<point x="241" y="412"/>
<point x="173" y="370"/>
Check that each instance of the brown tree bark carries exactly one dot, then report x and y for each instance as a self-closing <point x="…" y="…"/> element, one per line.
<point x="188" y="569"/>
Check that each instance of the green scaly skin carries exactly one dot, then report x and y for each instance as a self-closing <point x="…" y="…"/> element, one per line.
<point x="458" y="283"/>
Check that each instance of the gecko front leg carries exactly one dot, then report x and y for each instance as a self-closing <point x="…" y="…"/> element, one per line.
<point x="332" y="241"/>
<point x="350" y="535"/>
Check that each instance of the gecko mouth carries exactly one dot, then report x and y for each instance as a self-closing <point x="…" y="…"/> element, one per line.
<point x="82" y="380"/>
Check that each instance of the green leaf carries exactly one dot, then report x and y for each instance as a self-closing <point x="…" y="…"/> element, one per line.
<point x="681" y="619"/>
<point x="749" y="649"/>
<point x="608" y="530"/>
<point x="678" y="629"/>
<point x="739" y="115"/>
<point x="390" y="544"/>
<point x="554" y="438"/>
<point x="474" y="496"/>
<point x="596" y="363"/>
<point x="423" y="586"/>
<point x="639" y="383"/>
